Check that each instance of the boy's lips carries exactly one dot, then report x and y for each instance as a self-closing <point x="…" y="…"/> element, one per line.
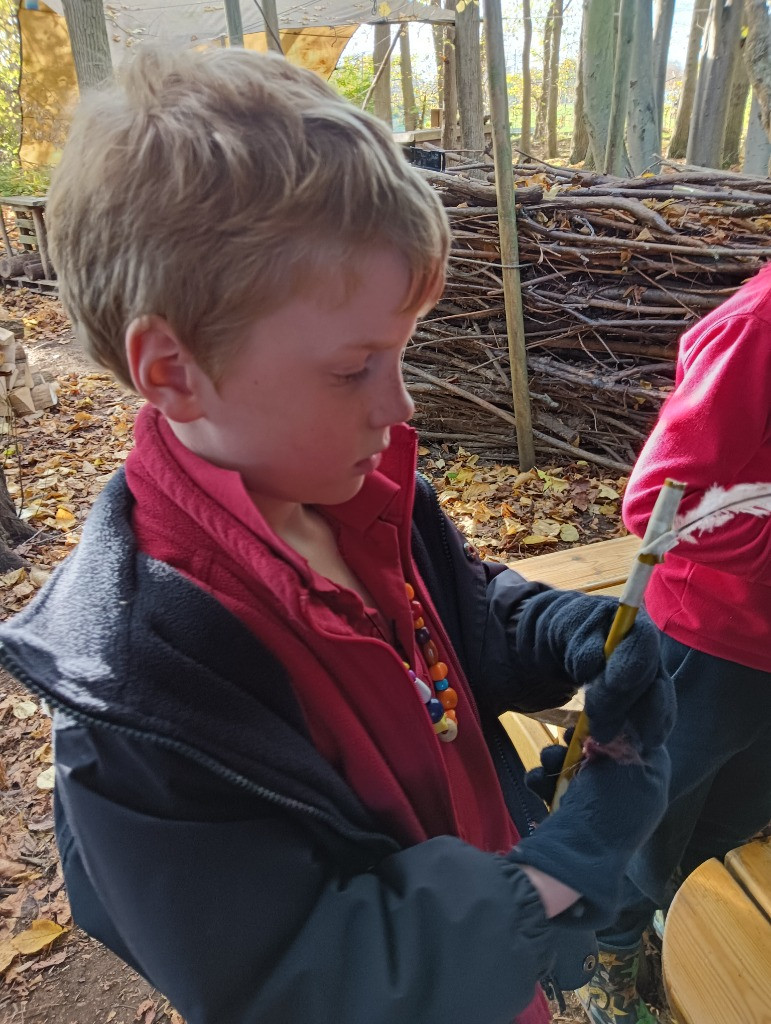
<point x="370" y="464"/>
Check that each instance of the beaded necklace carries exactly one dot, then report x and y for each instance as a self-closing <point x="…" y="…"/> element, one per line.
<point x="442" y="700"/>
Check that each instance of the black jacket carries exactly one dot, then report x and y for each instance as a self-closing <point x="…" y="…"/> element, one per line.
<point x="205" y="840"/>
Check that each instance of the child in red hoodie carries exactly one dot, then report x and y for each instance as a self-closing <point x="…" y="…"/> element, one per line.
<point x="712" y="601"/>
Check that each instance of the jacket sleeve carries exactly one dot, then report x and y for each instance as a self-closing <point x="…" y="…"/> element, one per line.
<point x="250" y="920"/>
<point x="711" y="431"/>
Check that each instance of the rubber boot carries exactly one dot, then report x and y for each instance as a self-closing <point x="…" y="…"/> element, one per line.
<point x="611" y="997"/>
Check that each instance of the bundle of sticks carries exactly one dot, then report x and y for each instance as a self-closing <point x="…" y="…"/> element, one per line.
<point x="613" y="271"/>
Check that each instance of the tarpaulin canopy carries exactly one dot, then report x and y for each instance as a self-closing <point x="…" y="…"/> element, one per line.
<point x="314" y="33"/>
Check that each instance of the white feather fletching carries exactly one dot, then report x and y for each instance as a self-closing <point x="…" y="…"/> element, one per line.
<point x="719" y="505"/>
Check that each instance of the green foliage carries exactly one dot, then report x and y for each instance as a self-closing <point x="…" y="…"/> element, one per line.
<point x="17" y="181"/>
<point x="353" y="76"/>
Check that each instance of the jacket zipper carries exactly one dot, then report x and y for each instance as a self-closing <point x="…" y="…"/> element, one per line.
<point x="233" y="777"/>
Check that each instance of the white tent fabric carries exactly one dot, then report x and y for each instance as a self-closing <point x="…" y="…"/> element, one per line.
<point x="181" y="24"/>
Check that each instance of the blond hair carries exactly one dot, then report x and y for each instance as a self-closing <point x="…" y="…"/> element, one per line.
<point x="209" y="187"/>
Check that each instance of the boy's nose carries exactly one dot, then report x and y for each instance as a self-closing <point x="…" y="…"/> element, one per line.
<point x="393" y="405"/>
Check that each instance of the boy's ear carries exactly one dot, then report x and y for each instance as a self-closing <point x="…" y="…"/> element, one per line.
<point x="163" y="370"/>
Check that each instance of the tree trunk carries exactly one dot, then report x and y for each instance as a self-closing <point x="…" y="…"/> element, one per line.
<point x="757" y="148"/>
<point x="469" y="78"/>
<point x="12" y="530"/>
<point x="737" y="106"/>
<point x="450" y="87"/>
<point x="408" y="89"/>
<point x="580" y="135"/>
<point x="757" y="54"/>
<point x="527" y="82"/>
<point x="615" y="162"/>
<point x="597" y="59"/>
<point x="662" y="33"/>
<point x="437" y="35"/>
<point x="554" y="81"/>
<point x="543" y="99"/>
<point x="642" y="131"/>
<point x="382" y="93"/>
<point x="718" y="56"/>
<point x="679" y="141"/>
<point x="89" y="42"/>
<point x="235" y="24"/>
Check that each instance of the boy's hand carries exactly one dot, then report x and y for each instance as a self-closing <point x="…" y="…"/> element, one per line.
<point x="629" y="693"/>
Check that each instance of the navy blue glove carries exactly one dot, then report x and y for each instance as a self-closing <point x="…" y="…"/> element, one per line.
<point x="609" y="810"/>
<point x="628" y="694"/>
<point x="543" y="779"/>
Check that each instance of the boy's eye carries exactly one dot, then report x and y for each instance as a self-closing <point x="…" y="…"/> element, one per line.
<point x="350" y="378"/>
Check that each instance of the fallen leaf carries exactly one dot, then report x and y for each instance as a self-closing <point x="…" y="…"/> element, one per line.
<point x="41" y="933"/>
<point x="24" y="709"/>
<point x="11" y="868"/>
<point x="569" y="533"/>
<point x="46" y="778"/>
<point x="533" y="539"/>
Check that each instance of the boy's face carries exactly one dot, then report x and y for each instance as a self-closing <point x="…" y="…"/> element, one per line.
<point x="305" y="407"/>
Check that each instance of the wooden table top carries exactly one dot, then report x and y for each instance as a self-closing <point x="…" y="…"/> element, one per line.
<point x="717" y="941"/>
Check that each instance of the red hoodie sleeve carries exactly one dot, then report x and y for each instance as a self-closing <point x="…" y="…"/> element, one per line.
<point x="715" y="429"/>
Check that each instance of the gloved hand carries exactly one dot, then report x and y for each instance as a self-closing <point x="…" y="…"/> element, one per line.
<point x="610" y="809"/>
<point x="630" y="693"/>
<point x="543" y="779"/>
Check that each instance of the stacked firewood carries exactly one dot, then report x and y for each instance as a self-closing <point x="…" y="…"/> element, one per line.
<point x="22" y="392"/>
<point x="613" y="271"/>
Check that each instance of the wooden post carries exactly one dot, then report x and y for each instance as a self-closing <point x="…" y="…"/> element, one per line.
<point x="272" y="32"/>
<point x="507" y="226"/>
<point x="235" y="25"/>
<point x="385" y="63"/>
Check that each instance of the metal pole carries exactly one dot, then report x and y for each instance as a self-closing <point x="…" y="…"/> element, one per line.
<point x="507" y="226"/>
<point x="235" y="25"/>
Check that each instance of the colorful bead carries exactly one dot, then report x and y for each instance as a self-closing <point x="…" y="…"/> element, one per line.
<point x="424" y="690"/>
<point x="448" y="699"/>
<point x="435" y="710"/>
<point x="438" y="671"/>
<point x="409" y="591"/>
<point x="449" y="713"/>
<point x="441" y="726"/>
<point x="417" y="609"/>
<point x="450" y="732"/>
<point x="441" y="684"/>
<point x="418" y="624"/>
<point x="422" y="636"/>
<point x="431" y="653"/>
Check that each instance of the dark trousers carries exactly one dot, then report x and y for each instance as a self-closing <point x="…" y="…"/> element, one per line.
<point x="720" y="793"/>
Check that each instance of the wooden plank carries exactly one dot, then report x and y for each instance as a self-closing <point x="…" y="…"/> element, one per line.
<point x="589" y="567"/>
<point x="716" y="952"/>
<point x="750" y="865"/>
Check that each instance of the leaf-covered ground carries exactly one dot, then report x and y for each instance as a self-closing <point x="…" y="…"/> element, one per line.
<point x="55" y="465"/>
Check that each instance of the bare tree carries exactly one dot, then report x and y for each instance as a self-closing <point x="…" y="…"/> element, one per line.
<point x="469" y="76"/>
<point x="89" y="42"/>
<point x="679" y="141"/>
<point x="615" y="162"/>
<point x="597" y="58"/>
<point x="381" y="55"/>
<point x="527" y="82"/>
<point x="663" y="16"/>
<point x="450" y="86"/>
<point x="642" y="128"/>
<point x="757" y="54"/>
<point x="580" y="143"/>
<point x="543" y="99"/>
<point x="408" y="89"/>
<point x="554" y="80"/>
<point x="757" y="147"/>
<point x="737" y="107"/>
<point x="713" y="89"/>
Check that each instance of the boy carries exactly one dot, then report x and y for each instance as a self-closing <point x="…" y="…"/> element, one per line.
<point x="275" y="670"/>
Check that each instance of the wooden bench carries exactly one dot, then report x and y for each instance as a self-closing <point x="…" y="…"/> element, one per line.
<point x="716" y="957"/>
<point x="593" y="568"/>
